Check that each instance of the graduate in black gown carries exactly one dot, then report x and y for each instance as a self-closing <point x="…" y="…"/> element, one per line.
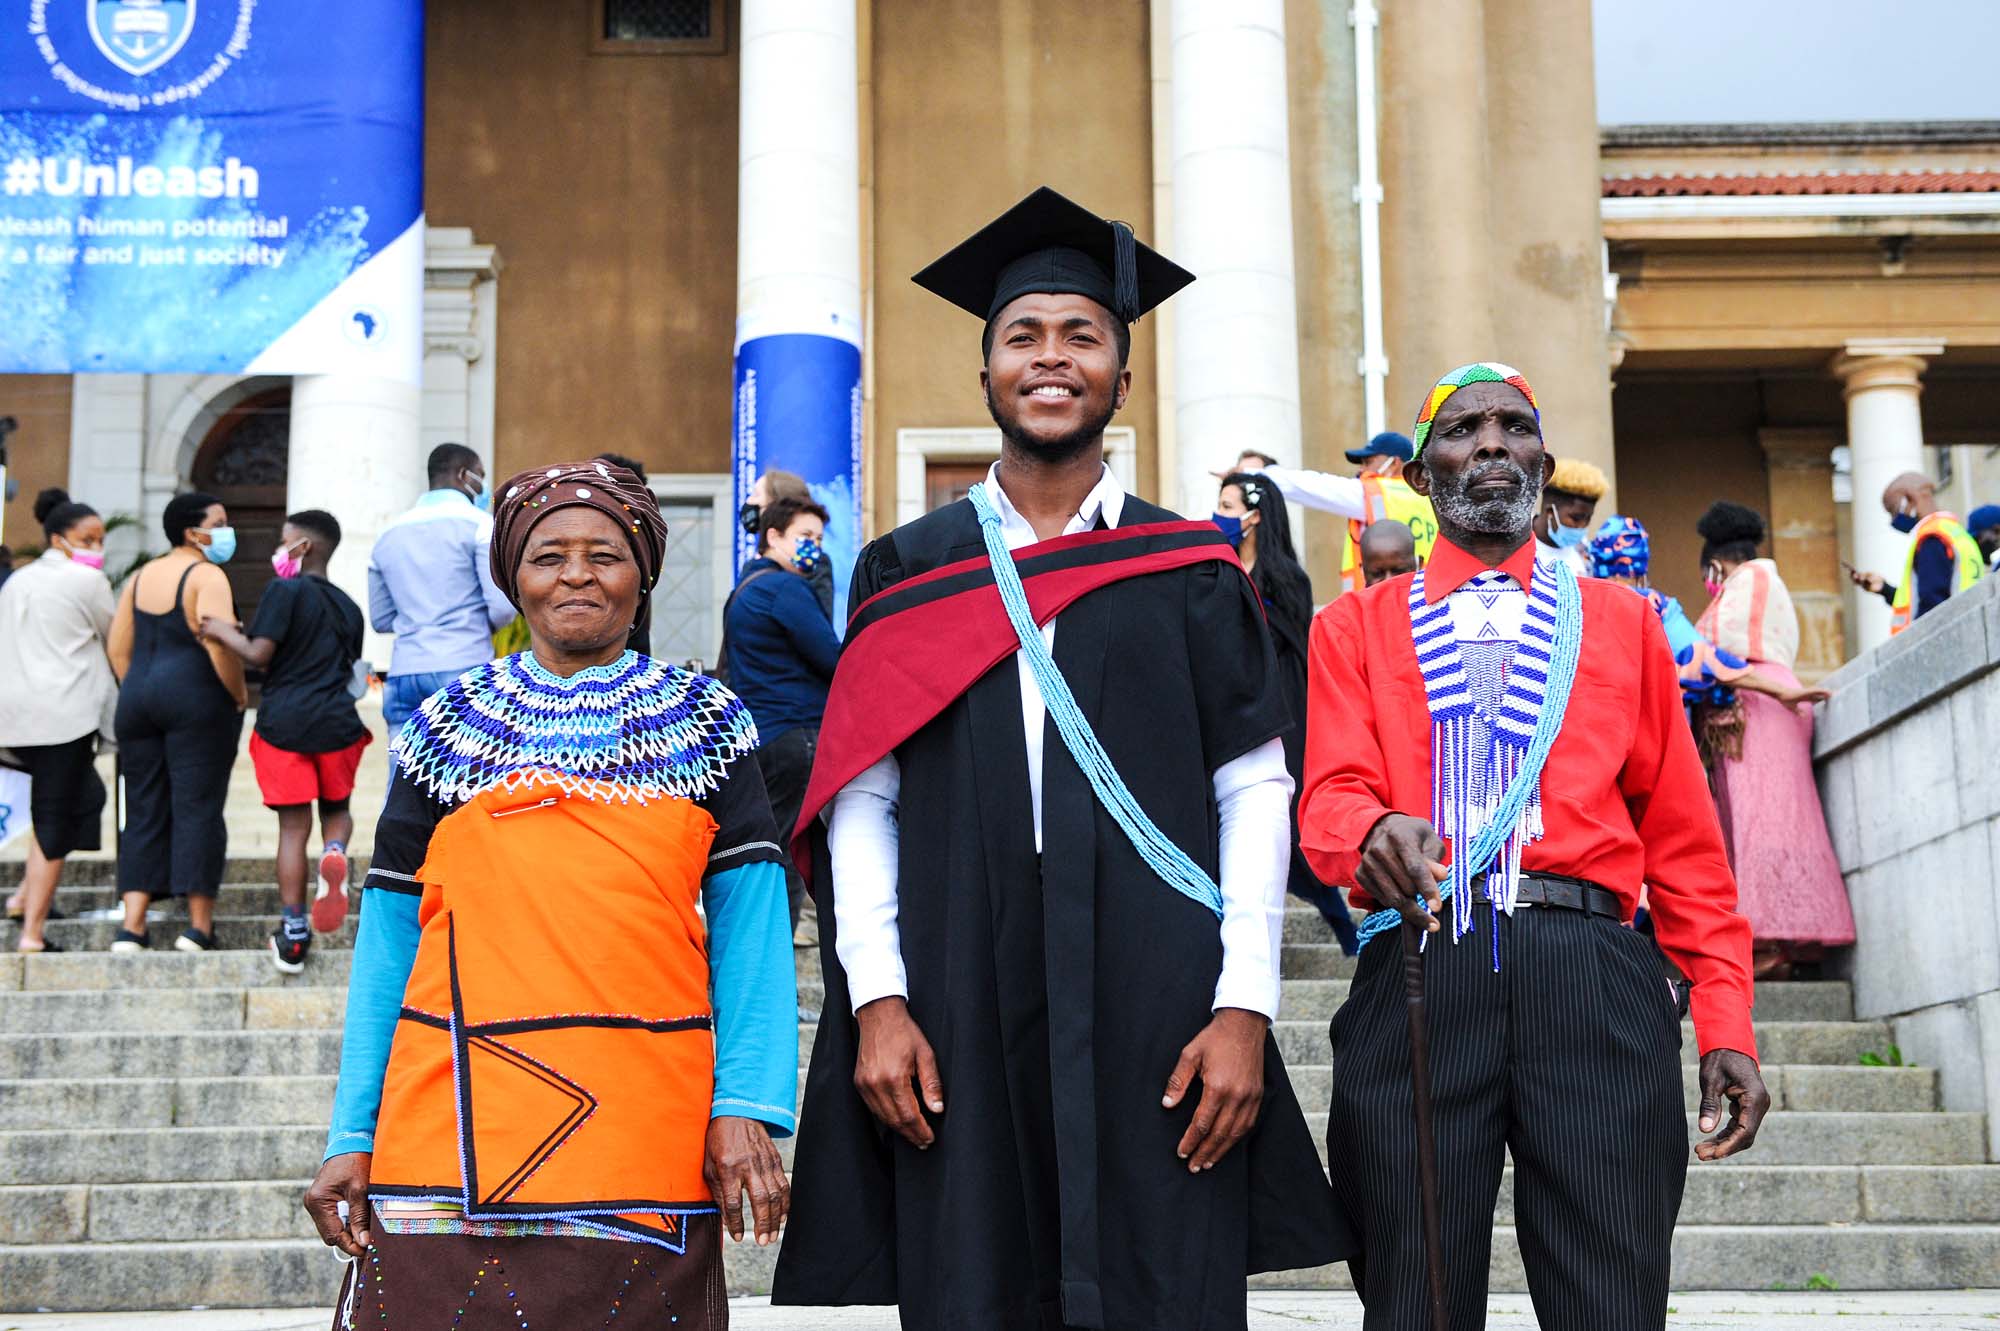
<point x="1044" y="1091"/>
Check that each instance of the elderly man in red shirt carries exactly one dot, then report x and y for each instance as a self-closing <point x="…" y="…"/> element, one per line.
<point x="1495" y="751"/>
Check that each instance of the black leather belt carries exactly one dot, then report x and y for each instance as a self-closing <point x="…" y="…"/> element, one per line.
<point x="1553" y="889"/>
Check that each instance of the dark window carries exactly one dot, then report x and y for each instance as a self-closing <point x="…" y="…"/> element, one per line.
<point x="663" y="26"/>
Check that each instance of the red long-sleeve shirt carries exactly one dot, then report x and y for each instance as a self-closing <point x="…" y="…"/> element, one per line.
<point x="1624" y="798"/>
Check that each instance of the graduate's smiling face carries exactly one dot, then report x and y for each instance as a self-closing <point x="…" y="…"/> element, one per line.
<point x="1055" y="374"/>
<point x="1484" y="465"/>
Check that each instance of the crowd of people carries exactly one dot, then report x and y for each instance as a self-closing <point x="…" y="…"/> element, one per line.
<point x="1056" y="889"/>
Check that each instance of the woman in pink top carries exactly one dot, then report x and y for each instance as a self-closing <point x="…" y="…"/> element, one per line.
<point x="1788" y="881"/>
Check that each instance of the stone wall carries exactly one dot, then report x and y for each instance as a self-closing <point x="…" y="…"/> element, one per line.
<point x="1908" y="752"/>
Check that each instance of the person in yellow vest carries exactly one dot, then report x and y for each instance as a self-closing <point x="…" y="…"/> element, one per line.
<point x="1376" y="491"/>
<point x="1943" y="559"/>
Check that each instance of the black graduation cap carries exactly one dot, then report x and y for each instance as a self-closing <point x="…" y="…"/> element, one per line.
<point x="1049" y="244"/>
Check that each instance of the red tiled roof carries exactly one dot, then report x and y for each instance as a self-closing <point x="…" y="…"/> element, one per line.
<point x="1832" y="182"/>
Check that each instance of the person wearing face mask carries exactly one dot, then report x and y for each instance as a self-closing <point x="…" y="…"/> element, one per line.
<point x="306" y="638"/>
<point x="772" y="486"/>
<point x="180" y="714"/>
<point x="57" y="699"/>
<point x="429" y="584"/>
<point x="780" y="652"/>
<point x="1944" y="558"/>
<point x="1251" y="513"/>
<point x="1788" y="880"/>
<point x="1569" y="503"/>
<point x="1376" y="492"/>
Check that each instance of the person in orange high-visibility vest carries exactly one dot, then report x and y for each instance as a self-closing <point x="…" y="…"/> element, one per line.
<point x="1943" y="560"/>
<point x="1376" y="491"/>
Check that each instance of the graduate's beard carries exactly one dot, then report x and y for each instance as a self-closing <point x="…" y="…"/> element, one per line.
<point x="1498" y="516"/>
<point x="1060" y="449"/>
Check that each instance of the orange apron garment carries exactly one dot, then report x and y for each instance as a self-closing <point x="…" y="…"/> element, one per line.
<point x="556" y="1052"/>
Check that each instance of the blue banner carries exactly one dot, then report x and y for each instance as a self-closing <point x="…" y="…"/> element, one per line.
<point x="212" y="186"/>
<point x="798" y="409"/>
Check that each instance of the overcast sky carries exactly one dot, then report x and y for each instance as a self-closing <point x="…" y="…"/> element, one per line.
<point x="1721" y="61"/>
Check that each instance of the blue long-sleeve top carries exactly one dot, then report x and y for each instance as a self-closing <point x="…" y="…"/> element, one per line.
<point x="430" y="584"/>
<point x="782" y="649"/>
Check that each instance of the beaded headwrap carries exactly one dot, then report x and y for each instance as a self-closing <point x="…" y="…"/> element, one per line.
<point x="1620" y="549"/>
<point x="1479" y="372"/>
<point x="614" y="491"/>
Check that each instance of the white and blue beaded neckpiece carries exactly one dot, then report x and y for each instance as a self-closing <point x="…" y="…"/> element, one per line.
<point x="635" y="728"/>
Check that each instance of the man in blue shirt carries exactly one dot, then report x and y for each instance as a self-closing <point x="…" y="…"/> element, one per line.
<point x="429" y="584"/>
<point x="780" y="652"/>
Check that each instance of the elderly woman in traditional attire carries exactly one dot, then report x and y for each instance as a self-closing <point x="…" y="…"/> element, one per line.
<point x="557" y="1079"/>
<point x="1786" y="871"/>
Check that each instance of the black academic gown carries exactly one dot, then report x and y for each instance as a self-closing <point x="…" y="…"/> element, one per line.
<point x="1057" y="991"/>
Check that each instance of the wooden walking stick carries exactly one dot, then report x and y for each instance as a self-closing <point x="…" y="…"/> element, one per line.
<point x="1420" y="1107"/>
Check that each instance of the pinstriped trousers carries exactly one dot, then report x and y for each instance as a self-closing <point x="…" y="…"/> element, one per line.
<point x="1567" y="1058"/>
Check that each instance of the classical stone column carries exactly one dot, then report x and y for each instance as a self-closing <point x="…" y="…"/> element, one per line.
<point x="1436" y="198"/>
<point x="798" y="263"/>
<point x="1236" y="333"/>
<point x="1805" y="541"/>
<point x="1546" y="233"/>
<point x="1882" y="380"/>
<point x="356" y="451"/>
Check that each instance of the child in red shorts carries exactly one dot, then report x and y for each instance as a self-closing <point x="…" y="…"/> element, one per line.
<point x="308" y="739"/>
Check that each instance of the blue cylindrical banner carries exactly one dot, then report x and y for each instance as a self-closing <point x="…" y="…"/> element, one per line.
<point x="212" y="186"/>
<point x="798" y="409"/>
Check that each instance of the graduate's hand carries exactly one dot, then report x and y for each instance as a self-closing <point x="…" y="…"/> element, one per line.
<point x="893" y="1055"/>
<point x="1402" y="862"/>
<point x="343" y="1178"/>
<point x="741" y="1158"/>
<point x="1728" y="1074"/>
<point x="1228" y="1056"/>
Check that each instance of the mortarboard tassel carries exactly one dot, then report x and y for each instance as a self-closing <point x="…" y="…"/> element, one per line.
<point x="1124" y="271"/>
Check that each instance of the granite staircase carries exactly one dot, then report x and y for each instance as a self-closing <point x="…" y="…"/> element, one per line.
<point x="160" y="1114"/>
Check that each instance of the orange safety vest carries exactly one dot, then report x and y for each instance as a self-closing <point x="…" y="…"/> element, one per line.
<point x="1387" y="497"/>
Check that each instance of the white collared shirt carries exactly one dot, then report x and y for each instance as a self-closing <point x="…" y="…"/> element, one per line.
<point x="1253" y="796"/>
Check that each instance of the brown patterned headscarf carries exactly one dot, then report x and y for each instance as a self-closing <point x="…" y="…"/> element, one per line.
<point x="525" y="499"/>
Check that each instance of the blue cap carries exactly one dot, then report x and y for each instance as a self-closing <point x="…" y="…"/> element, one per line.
<point x="1986" y="515"/>
<point x="1387" y="444"/>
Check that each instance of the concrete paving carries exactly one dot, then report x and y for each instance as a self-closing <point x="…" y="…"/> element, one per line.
<point x="1965" y="1310"/>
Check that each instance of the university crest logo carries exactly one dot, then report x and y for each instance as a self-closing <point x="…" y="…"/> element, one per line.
<point x="139" y="36"/>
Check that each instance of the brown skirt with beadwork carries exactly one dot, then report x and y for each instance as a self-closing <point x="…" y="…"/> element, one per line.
<point x="427" y="1282"/>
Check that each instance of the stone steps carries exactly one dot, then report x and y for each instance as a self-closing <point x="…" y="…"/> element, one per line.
<point x="233" y="933"/>
<point x="160" y="1113"/>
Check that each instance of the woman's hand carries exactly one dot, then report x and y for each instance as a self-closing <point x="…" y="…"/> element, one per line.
<point x="1793" y="697"/>
<point x="343" y="1178"/>
<point x="741" y="1157"/>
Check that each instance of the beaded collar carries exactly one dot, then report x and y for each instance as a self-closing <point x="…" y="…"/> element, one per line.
<point x="635" y="728"/>
<point x="1470" y="779"/>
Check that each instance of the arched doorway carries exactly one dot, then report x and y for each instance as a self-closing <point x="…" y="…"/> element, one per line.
<point x="243" y="461"/>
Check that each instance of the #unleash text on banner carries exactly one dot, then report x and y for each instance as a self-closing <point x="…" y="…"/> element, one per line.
<point x="212" y="186"/>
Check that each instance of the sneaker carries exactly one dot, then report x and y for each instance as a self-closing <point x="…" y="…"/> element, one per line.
<point x="194" y="940"/>
<point x="329" y="907"/>
<point x="127" y="941"/>
<point x="43" y="950"/>
<point x="290" y="942"/>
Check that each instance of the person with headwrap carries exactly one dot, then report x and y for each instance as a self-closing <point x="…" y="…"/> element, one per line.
<point x="558" y="1075"/>
<point x="1495" y="757"/>
<point x="1569" y="502"/>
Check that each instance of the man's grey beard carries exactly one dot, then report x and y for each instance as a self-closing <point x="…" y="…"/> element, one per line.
<point x="1498" y="516"/>
<point x="1060" y="449"/>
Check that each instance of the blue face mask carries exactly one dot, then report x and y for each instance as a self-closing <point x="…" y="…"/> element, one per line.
<point x="808" y="554"/>
<point x="1904" y="522"/>
<point x="483" y="501"/>
<point x="1231" y="526"/>
<point x="1566" y="538"/>
<point x="221" y="547"/>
